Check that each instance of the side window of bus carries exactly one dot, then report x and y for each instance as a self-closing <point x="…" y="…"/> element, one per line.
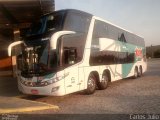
<point x="73" y="48"/>
<point x="100" y="31"/>
<point x="76" y="22"/>
<point x="53" y="22"/>
<point x="112" y="32"/>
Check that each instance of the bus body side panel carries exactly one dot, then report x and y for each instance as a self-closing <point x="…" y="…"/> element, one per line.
<point x="71" y="79"/>
<point x="81" y="77"/>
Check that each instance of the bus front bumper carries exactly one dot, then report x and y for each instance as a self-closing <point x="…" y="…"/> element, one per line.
<point x="55" y="89"/>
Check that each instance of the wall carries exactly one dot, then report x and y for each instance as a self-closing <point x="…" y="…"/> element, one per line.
<point x="6" y="37"/>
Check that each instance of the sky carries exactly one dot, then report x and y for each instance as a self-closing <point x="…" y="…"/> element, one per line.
<point x="142" y="17"/>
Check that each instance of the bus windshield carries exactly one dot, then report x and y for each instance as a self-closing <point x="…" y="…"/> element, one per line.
<point x="47" y="23"/>
<point x="37" y="27"/>
<point x="37" y="59"/>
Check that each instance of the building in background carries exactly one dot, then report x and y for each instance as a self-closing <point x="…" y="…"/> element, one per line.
<point x="153" y="51"/>
<point x="16" y="15"/>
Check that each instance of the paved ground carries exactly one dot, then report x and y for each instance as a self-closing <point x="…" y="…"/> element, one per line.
<point x="10" y="101"/>
<point x="8" y="87"/>
<point x="16" y="105"/>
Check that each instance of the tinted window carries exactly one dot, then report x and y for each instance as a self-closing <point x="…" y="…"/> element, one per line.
<point x="77" y="22"/>
<point x="54" y="22"/>
<point x="113" y="32"/>
<point x="100" y="30"/>
<point x="110" y="57"/>
<point x="73" y="48"/>
<point x="107" y="57"/>
<point x="46" y="23"/>
<point x="105" y="30"/>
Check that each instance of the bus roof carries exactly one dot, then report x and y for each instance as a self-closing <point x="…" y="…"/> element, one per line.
<point x="71" y="10"/>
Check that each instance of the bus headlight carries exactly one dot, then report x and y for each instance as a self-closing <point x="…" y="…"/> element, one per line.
<point x="55" y="89"/>
<point x="46" y="82"/>
<point x="54" y="80"/>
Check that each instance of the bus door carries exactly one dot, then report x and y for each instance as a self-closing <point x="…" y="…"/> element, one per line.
<point x="71" y="70"/>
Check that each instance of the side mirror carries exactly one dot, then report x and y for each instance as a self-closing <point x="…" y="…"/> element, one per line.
<point x="12" y="45"/>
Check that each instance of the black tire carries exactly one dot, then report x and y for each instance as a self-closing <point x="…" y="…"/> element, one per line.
<point x="135" y="73"/>
<point x="104" y="82"/>
<point x="140" y="71"/>
<point x="91" y="84"/>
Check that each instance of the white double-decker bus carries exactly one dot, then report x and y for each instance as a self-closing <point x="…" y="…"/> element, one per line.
<point x="69" y="50"/>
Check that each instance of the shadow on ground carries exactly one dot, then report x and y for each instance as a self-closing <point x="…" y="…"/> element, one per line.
<point x="8" y="87"/>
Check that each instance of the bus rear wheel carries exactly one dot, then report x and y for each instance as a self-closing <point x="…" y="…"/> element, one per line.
<point x="140" y="71"/>
<point x="91" y="84"/>
<point x="103" y="84"/>
<point x="135" y="73"/>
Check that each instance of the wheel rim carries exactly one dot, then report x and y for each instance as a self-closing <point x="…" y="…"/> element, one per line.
<point x="91" y="84"/>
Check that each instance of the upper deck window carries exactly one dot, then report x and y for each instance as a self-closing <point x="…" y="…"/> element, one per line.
<point x="77" y="22"/>
<point x="51" y="22"/>
<point x="54" y="22"/>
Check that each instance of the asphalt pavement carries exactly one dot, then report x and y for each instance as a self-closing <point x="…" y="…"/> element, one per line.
<point x="11" y="99"/>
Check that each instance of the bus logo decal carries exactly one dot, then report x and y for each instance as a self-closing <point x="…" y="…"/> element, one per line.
<point x="138" y="52"/>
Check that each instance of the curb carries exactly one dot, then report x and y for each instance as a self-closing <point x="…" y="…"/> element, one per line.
<point x="27" y="109"/>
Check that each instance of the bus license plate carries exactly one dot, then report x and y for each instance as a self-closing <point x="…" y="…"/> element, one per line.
<point x="33" y="91"/>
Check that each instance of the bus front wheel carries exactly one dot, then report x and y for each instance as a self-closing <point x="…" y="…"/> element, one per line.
<point x="91" y="84"/>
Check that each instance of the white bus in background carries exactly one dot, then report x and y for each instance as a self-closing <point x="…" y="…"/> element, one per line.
<point x="69" y="50"/>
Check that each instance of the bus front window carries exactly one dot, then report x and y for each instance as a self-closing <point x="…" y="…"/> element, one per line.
<point x="54" y="22"/>
<point x="37" y="60"/>
<point x="47" y="23"/>
<point x="37" y="27"/>
<point x="47" y="59"/>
